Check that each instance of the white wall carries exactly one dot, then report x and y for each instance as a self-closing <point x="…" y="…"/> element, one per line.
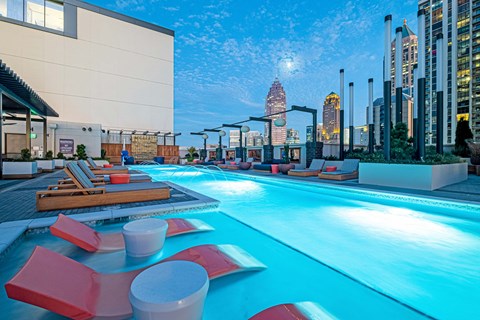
<point x="116" y="74"/>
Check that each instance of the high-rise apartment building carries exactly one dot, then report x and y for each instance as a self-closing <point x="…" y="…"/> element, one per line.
<point x="276" y="102"/>
<point x="309" y="133"/>
<point x="461" y="68"/>
<point x="293" y="136"/>
<point x="234" y="138"/>
<point x="409" y="57"/>
<point x="331" y="118"/>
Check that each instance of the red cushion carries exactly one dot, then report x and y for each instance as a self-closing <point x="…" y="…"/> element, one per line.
<point x="107" y="165"/>
<point x="331" y="168"/>
<point x="117" y="178"/>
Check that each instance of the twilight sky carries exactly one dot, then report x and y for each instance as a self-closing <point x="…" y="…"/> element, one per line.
<point x="228" y="52"/>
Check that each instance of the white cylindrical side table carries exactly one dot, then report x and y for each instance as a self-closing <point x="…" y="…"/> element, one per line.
<point x="170" y="290"/>
<point x="144" y="237"/>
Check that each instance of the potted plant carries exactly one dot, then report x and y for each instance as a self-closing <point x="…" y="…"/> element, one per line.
<point x="47" y="164"/>
<point x="404" y="171"/>
<point x="81" y="152"/>
<point x="59" y="161"/>
<point x="191" y="152"/>
<point x="21" y="168"/>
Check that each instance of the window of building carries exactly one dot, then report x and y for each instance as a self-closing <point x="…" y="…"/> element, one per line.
<point x="54" y="15"/>
<point x="44" y="13"/>
<point x="35" y="12"/>
<point x="11" y="9"/>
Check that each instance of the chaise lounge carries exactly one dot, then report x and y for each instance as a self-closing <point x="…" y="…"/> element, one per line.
<point x="57" y="283"/>
<point x="105" y="178"/>
<point x="314" y="169"/>
<point x="294" y="311"/>
<point x="84" y="193"/>
<point x="90" y="240"/>
<point x="100" y="170"/>
<point x="348" y="171"/>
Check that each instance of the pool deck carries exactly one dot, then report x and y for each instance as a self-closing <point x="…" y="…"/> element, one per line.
<point x="18" y="211"/>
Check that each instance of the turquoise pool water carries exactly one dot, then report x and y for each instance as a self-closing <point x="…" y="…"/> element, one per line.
<point x="423" y="253"/>
<point x="290" y="276"/>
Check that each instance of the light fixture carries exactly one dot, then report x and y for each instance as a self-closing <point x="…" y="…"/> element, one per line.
<point x="89" y="129"/>
<point x="222" y="133"/>
<point x="280" y="122"/>
<point x="205" y="136"/>
<point x="84" y="128"/>
<point x="245" y="129"/>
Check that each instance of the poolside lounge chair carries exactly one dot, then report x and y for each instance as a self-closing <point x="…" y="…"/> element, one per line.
<point x="348" y="171"/>
<point x="106" y="178"/>
<point x="100" y="170"/>
<point x="294" y="311"/>
<point x="314" y="169"/>
<point x="92" y="241"/>
<point x="231" y="165"/>
<point x="84" y="193"/>
<point x="57" y="283"/>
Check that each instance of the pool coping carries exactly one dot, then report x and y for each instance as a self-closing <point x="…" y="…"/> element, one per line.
<point x="11" y="231"/>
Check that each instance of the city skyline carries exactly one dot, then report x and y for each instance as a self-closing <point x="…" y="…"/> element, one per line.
<point x="228" y="52"/>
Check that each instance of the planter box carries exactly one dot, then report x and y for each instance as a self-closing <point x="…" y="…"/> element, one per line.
<point x="59" y="163"/>
<point x="412" y="176"/>
<point x="46" y="165"/>
<point x="19" y="170"/>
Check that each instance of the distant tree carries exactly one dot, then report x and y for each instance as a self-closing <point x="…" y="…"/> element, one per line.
<point x="462" y="134"/>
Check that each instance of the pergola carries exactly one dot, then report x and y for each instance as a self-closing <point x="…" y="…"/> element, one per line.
<point x="19" y="102"/>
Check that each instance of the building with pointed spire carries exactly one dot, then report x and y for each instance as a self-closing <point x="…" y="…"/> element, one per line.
<point x="276" y="102"/>
<point x="331" y="118"/>
<point x="409" y="57"/>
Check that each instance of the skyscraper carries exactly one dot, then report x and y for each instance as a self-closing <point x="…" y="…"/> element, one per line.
<point x="409" y="57"/>
<point x="331" y="118"/>
<point x="276" y="102"/>
<point x="461" y="68"/>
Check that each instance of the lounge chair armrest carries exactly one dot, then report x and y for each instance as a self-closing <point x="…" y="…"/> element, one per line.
<point x="98" y="183"/>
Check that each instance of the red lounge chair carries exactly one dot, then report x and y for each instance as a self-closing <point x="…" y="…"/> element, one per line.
<point x="92" y="241"/>
<point x="54" y="282"/>
<point x="294" y="311"/>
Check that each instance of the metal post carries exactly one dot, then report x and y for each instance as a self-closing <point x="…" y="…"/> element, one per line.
<point x="387" y="86"/>
<point x="398" y="75"/>
<point x="219" y="150"/>
<point x="350" y="116"/>
<point x="370" y="116"/>
<point x="342" y="113"/>
<point x="28" y="130"/>
<point x="415" y="107"/>
<point x="1" y="134"/>
<point x="421" y="84"/>
<point x="454" y="67"/>
<point x="204" y="149"/>
<point x="45" y="136"/>
<point x="440" y="64"/>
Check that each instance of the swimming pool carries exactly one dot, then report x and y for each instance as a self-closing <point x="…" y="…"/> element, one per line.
<point x="421" y="252"/>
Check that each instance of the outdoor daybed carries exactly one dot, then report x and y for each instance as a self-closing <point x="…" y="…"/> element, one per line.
<point x="314" y="169"/>
<point x="348" y="171"/>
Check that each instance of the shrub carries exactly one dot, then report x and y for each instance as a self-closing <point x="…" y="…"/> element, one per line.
<point x="26" y="155"/>
<point x="81" y="152"/>
<point x="191" y="153"/>
<point x="103" y="153"/>
<point x="49" y="155"/>
<point x="60" y="156"/>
